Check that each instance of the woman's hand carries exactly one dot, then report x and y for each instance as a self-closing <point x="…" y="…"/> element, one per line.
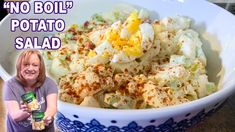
<point x="47" y="120"/>
<point x="51" y="108"/>
<point x="16" y="111"/>
<point x="25" y="109"/>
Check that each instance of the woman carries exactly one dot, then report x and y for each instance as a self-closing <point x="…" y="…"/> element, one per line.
<point x="30" y="77"/>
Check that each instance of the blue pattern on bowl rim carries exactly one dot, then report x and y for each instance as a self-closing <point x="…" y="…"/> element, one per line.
<point x="66" y="125"/>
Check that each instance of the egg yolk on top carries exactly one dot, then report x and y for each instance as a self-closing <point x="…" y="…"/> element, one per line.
<point x="130" y="45"/>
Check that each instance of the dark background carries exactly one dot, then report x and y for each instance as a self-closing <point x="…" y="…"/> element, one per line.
<point x="3" y="12"/>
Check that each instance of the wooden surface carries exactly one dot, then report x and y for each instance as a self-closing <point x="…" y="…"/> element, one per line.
<point x="222" y="121"/>
<point x="2" y="110"/>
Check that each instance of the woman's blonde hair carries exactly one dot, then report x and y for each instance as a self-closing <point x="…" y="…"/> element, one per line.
<point x="24" y="58"/>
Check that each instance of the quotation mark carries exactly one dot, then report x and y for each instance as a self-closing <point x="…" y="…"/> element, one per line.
<point x="6" y="5"/>
<point x="69" y="4"/>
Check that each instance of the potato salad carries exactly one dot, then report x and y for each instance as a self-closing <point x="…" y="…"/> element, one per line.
<point x="125" y="59"/>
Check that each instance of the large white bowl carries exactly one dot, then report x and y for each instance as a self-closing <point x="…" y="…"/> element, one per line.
<point x="217" y="29"/>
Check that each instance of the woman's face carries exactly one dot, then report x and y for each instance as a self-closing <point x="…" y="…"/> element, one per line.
<point x="30" y="70"/>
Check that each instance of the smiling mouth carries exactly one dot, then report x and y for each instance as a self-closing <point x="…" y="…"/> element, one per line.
<point x="30" y="72"/>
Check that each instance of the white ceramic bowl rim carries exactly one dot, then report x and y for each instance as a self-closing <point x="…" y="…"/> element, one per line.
<point x="161" y="112"/>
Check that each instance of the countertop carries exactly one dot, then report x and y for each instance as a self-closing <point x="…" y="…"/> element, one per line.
<point x="221" y="121"/>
